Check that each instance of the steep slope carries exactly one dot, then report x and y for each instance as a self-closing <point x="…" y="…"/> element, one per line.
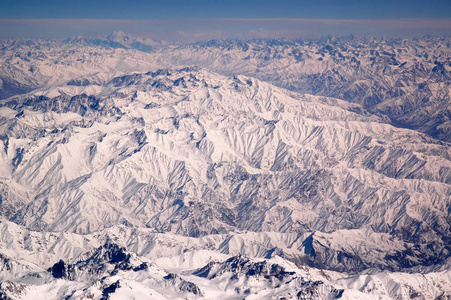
<point x="407" y="80"/>
<point x="111" y="272"/>
<point x="108" y="272"/>
<point x="27" y="65"/>
<point x="195" y="153"/>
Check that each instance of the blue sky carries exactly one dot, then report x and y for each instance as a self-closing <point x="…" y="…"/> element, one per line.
<point x="148" y="9"/>
<point x="200" y="19"/>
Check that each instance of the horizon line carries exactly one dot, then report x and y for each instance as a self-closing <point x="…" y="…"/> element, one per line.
<point x="231" y="19"/>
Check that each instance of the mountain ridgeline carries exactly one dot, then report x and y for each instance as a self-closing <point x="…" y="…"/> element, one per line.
<point x="135" y="167"/>
<point x="195" y="153"/>
<point x="406" y="80"/>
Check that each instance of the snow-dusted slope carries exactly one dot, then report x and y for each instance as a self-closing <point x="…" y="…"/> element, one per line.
<point x="28" y="65"/>
<point x="107" y="272"/>
<point x="337" y="251"/>
<point x="111" y="272"/>
<point x="407" y="80"/>
<point x="199" y="154"/>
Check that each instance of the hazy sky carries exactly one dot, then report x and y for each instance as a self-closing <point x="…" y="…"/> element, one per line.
<point x="200" y="19"/>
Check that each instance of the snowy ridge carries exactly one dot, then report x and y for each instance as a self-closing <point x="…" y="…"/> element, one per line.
<point x="406" y="80"/>
<point x="336" y="251"/>
<point x="111" y="272"/>
<point x="28" y="65"/>
<point x="195" y="153"/>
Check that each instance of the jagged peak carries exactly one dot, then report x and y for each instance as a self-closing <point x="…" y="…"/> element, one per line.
<point x="242" y="265"/>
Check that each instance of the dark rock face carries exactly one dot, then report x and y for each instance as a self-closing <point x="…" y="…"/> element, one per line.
<point x="81" y="104"/>
<point x="5" y="263"/>
<point x="240" y="265"/>
<point x="62" y="270"/>
<point x="110" y="290"/>
<point x="323" y="257"/>
<point x="108" y="260"/>
<point x="109" y="253"/>
<point x="3" y="295"/>
<point x="18" y="158"/>
<point x="10" y="87"/>
<point x="183" y="285"/>
<point x="275" y="276"/>
<point x="81" y="82"/>
<point x="309" y="290"/>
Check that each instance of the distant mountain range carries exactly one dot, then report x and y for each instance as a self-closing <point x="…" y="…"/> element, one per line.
<point x="405" y="80"/>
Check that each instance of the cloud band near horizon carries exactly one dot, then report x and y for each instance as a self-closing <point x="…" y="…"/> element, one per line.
<point x="204" y="29"/>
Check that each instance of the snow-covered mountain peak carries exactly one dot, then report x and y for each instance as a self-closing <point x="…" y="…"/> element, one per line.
<point x="118" y="36"/>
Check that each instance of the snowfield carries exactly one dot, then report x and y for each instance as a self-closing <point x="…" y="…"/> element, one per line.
<point x="120" y="179"/>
